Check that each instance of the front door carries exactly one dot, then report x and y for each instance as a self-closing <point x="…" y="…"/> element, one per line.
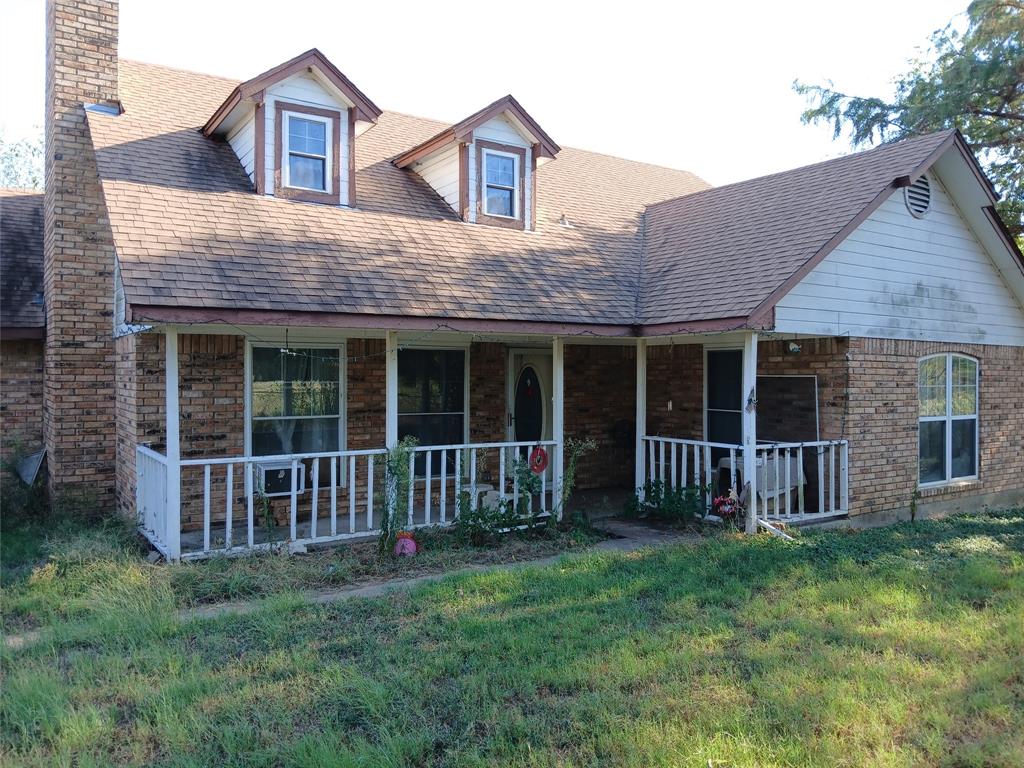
<point x="529" y="395"/>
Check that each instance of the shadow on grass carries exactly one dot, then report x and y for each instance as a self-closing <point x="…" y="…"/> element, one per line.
<point x="895" y="645"/>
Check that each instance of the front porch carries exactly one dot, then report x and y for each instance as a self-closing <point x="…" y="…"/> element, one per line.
<point x="506" y="397"/>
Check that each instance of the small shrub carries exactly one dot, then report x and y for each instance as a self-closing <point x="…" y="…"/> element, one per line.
<point x="483" y="525"/>
<point x="674" y="505"/>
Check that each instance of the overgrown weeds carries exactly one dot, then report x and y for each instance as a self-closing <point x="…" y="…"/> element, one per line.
<point x="896" y="646"/>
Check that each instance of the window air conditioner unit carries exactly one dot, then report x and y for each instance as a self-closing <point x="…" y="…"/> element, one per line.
<point x="275" y="478"/>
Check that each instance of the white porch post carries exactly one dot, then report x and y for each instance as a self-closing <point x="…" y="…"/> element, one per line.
<point x="750" y="426"/>
<point x="172" y="532"/>
<point x="641" y="413"/>
<point x="391" y="389"/>
<point x="557" y="421"/>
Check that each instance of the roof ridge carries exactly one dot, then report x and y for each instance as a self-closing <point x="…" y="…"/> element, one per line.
<point x="234" y="80"/>
<point x="799" y="168"/>
<point x="443" y="124"/>
<point x="638" y="298"/>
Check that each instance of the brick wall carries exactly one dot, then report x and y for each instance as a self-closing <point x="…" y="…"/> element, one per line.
<point x="21" y="397"/>
<point x="883" y="423"/>
<point x="79" y="396"/>
<point x="600" y="403"/>
<point x="675" y="375"/>
<point x="824" y="358"/>
<point x="488" y="397"/>
<point x="366" y="383"/>
<point x="211" y="396"/>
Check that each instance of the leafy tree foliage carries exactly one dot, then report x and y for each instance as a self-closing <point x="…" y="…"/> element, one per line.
<point x="21" y="162"/>
<point x="971" y="78"/>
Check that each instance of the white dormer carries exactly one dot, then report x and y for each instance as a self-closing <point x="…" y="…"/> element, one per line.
<point x="293" y="129"/>
<point x="485" y="166"/>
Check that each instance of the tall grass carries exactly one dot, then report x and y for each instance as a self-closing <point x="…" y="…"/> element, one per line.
<point x="894" y="647"/>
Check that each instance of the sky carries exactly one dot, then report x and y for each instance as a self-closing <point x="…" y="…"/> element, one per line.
<point x="706" y="87"/>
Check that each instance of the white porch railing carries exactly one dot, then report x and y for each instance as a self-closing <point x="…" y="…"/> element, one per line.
<point x="151" y="499"/>
<point x="782" y="480"/>
<point x="346" y="497"/>
<point x="781" y="477"/>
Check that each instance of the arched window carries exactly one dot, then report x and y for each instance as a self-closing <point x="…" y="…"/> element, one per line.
<point x="947" y="391"/>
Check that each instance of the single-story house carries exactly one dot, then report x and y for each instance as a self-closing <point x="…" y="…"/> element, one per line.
<point x="255" y="290"/>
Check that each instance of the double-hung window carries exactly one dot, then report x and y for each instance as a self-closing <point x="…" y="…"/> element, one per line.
<point x="432" y="398"/>
<point x="296" y="402"/>
<point x="308" y="152"/>
<point x="501" y="184"/>
<point x="947" y="387"/>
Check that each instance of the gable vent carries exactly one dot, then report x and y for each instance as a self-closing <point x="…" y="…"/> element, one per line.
<point x="919" y="196"/>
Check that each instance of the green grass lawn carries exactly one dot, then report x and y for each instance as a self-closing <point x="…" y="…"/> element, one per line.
<point x="897" y="646"/>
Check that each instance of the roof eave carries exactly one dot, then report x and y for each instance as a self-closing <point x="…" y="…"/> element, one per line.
<point x="428" y="147"/>
<point x="366" y="110"/>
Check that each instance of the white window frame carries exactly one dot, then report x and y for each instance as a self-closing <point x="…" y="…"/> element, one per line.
<point x="465" y="349"/>
<point x="342" y="399"/>
<point x="485" y="152"/>
<point x="949" y="418"/>
<point x="287" y="153"/>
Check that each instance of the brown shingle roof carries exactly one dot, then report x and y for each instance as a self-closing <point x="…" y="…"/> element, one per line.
<point x="21" y="259"/>
<point x="722" y="252"/>
<point x="190" y="232"/>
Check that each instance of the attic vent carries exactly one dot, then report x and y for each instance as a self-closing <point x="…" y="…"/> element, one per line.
<point x="919" y="196"/>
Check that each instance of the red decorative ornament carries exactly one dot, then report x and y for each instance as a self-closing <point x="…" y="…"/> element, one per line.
<point x="538" y="460"/>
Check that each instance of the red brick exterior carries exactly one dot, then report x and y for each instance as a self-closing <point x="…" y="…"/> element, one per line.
<point x="21" y="397"/>
<point x="488" y="407"/>
<point x="826" y="359"/>
<point x="883" y="424"/>
<point x="600" y="403"/>
<point x="79" y="397"/>
<point x="867" y="393"/>
<point x="675" y="374"/>
<point x="366" y="383"/>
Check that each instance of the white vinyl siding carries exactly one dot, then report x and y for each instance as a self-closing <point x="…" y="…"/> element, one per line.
<point x="304" y="89"/>
<point x="500" y="131"/>
<point x="441" y="171"/>
<point x="901" y="277"/>
<point x="243" y="140"/>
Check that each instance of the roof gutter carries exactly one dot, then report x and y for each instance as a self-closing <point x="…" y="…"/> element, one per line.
<point x="146" y="314"/>
<point x="235" y="317"/>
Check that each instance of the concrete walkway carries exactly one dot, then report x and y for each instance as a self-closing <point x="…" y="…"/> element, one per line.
<point x="628" y="536"/>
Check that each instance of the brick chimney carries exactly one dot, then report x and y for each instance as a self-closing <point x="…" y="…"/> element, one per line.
<point x="78" y="394"/>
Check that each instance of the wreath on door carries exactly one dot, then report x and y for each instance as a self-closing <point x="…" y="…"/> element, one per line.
<point x="538" y="460"/>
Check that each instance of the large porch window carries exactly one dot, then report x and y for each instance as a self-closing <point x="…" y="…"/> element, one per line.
<point x="296" y="401"/>
<point x="947" y="388"/>
<point x="432" y="395"/>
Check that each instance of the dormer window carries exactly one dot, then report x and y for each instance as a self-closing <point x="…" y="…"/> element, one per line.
<point x="485" y="167"/>
<point x="307" y="153"/>
<point x="500" y="187"/>
<point x="293" y="129"/>
<point x="308" y="156"/>
<point x="501" y="184"/>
